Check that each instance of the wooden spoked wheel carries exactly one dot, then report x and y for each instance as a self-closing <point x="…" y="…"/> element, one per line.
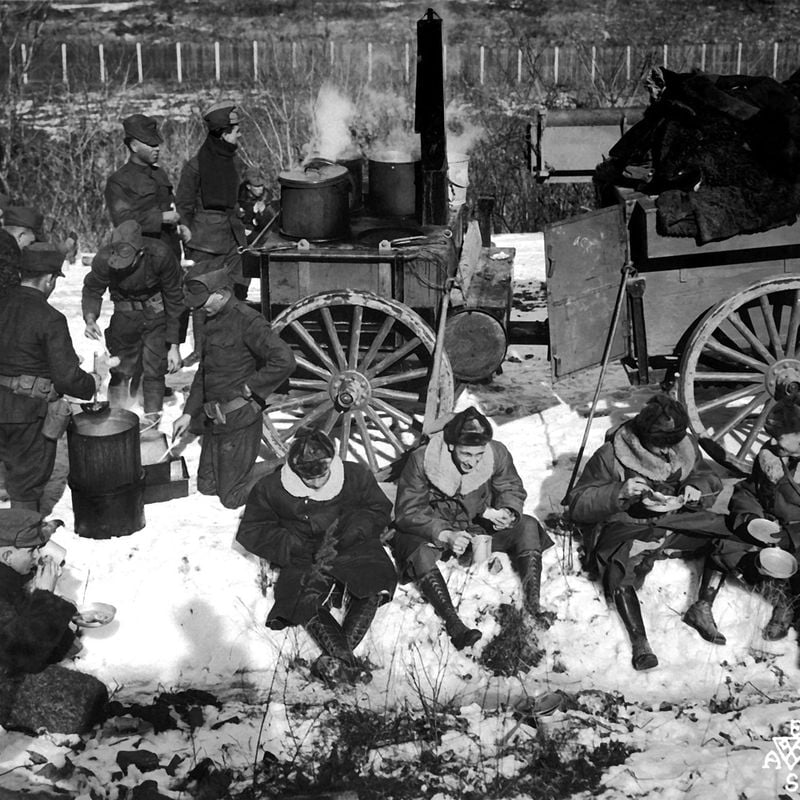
<point x="363" y="364"/>
<point x="741" y="358"/>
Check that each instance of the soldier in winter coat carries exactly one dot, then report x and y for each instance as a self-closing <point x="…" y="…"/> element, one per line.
<point x="37" y="366"/>
<point x="35" y="634"/>
<point x="772" y="492"/>
<point x="320" y="521"/>
<point x="144" y="280"/>
<point x="241" y="364"/>
<point x="463" y="483"/>
<point x="644" y="495"/>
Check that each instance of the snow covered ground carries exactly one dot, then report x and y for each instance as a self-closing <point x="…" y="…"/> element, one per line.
<point x="190" y="614"/>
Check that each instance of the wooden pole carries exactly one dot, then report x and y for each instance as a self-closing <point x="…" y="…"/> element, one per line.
<point x="216" y="62"/>
<point x="594" y="63"/>
<point x="775" y="60"/>
<point x="102" y="53"/>
<point x="178" y="61"/>
<point x="555" y="64"/>
<point x="703" y="57"/>
<point x="255" y="60"/>
<point x="139" y="70"/>
<point x="294" y="55"/>
<point x="739" y="59"/>
<point x="24" y="51"/>
<point x="664" y="57"/>
<point x="408" y="62"/>
<point x="331" y="51"/>
<point x="483" y="63"/>
<point x="519" y="65"/>
<point x="369" y="62"/>
<point x="628" y="63"/>
<point x="64" y="74"/>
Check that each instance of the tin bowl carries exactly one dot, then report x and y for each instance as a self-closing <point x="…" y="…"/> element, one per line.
<point x="94" y="615"/>
<point x="777" y="563"/>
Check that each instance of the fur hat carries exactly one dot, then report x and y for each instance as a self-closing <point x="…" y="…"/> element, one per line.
<point x="468" y="427"/>
<point x="310" y="453"/>
<point x="662" y="422"/>
<point x="20" y="527"/>
<point x="784" y="417"/>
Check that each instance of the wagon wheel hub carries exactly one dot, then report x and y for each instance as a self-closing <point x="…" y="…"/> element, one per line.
<point x="349" y="390"/>
<point x="783" y="378"/>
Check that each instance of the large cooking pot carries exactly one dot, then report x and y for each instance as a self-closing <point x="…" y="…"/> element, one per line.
<point x="395" y="184"/>
<point x="315" y="201"/>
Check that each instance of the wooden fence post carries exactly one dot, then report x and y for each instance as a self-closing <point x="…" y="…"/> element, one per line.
<point x="369" y="62"/>
<point x="703" y="57"/>
<point x="664" y="59"/>
<point x="64" y="74"/>
<point x="24" y="52"/>
<point x="628" y="63"/>
<point x="594" y="63"/>
<point x="483" y="63"/>
<point x="739" y="59"/>
<point x="178" y="61"/>
<point x="331" y="51"/>
<point x="216" y="62"/>
<point x="102" y="54"/>
<point x="519" y="65"/>
<point x="555" y="64"/>
<point x="444" y="61"/>
<point x="408" y="62"/>
<point x="775" y="60"/>
<point x="294" y="55"/>
<point x="139" y="71"/>
<point x="255" y="60"/>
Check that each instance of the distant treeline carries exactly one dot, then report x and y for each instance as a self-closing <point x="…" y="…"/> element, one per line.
<point x="597" y="75"/>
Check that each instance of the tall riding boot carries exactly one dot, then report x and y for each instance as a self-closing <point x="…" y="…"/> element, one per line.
<point x="529" y="567"/>
<point x="627" y="603"/>
<point x="783" y="609"/>
<point x="358" y="618"/>
<point x="434" y="589"/>
<point x="337" y="661"/>
<point x="118" y="396"/>
<point x="28" y="505"/>
<point x="699" y="615"/>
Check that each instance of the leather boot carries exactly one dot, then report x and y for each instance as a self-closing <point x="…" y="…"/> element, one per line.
<point x="699" y="615"/>
<point x="28" y="505"/>
<point x="337" y="662"/>
<point x="529" y="567"/>
<point x="779" y="594"/>
<point x="627" y="603"/>
<point x="434" y="589"/>
<point x="359" y="616"/>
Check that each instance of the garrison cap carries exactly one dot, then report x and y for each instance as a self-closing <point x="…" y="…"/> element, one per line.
<point x="143" y="128"/>
<point x="23" y="217"/>
<point x="126" y="242"/>
<point x="198" y="288"/>
<point x="20" y="527"/>
<point x="662" y="422"/>
<point x="43" y="257"/>
<point x="310" y="453"/>
<point x="221" y="115"/>
<point x="468" y="427"/>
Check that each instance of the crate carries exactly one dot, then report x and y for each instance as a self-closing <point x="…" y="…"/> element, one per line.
<point x="164" y="480"/>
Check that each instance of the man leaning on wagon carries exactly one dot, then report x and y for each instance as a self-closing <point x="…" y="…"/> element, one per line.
<point x="37" y="365"/>
<point x="241" y="364"/>
<point x="144" y="280"/>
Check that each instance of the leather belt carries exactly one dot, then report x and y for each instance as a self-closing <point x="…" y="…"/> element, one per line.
<point x="30" y="386"/>
<point x="156" y="303"/>
<point x="218" y="411"/>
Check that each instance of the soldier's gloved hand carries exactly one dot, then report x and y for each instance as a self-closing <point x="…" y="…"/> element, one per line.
<point x="457" y="541"/>
<point x="170" y="217"/>
<point x="92" y="330"/>
<point x="501" y="518"/>
<point x="174" y="361"/>
<point x="180" y="426"/>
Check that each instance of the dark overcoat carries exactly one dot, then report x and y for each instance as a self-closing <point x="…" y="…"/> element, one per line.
<point x="318" y="537"/>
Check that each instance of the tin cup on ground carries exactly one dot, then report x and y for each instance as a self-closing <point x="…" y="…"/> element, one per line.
<point x="481" y="548"/>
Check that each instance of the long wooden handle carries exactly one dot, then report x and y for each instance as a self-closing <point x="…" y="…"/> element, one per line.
<point x="432" y="397"/>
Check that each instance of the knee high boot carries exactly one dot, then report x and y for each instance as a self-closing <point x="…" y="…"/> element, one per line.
<point x="627" y="603"/>
<point x="783" y="608"/>
<point x="529" y="567"/>
<point x="118" y="395"/>
<point x="434" y="589"/>
<point x="358" y="618"/>
<point x="699" y="615"/>
<point x="337" y="661"/>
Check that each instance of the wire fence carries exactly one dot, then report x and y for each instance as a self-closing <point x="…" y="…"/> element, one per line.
<point x="605" y="74"/>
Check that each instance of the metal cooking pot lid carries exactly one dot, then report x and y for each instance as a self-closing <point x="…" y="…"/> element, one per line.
<point x="314" y="175"/>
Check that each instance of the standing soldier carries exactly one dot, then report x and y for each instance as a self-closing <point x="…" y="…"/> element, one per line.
<point x="37" y="365"/>
<point x="141" y="191"/>
<point x="207" y="198"/>
<point x="144" y="281"/>
<point x="242" y="363"/>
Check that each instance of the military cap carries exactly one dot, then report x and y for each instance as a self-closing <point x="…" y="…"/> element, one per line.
<point x="198" y="288"/>
<point x="468" y="427"/>
<point x="221" y="115"/>
<point x="310" y="453"/>
<point x="126" y="242"/>
<point x="43" y="257"/>
<point x="662" y="422"/>
<point x="142" y="128"/>
<point x="784" y="417"/>
<point x="20" y="527"/>
<point x="254" y="176"/>
<point x="23" y="217"/>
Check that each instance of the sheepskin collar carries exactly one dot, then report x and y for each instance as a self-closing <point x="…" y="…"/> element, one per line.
<point x="633" y="455"/>
<point x="444" y="475"/>
<point x="292" y="483"/>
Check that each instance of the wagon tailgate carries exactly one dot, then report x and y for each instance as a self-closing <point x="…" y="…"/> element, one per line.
<point x="585" y="256"/>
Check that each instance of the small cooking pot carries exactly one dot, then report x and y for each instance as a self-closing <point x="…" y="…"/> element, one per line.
<point x="395" y="184"/>
<point x="315" y="201"/>
<point x="355" y="168"/>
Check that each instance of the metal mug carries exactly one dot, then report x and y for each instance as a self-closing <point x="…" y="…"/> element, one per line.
<point x="481" y="548"/>
<point x="54" y="551"/>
